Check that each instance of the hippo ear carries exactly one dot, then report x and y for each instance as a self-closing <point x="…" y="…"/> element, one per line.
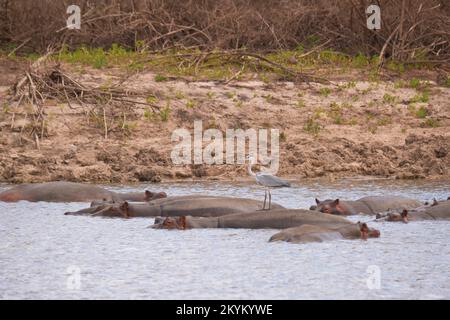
<point x="364" y="227"/>
<point x="124" y="207"/>
<point x="317" y="201"/>
<point x="336" y="202"/>
<point x="163" y="195"/>
<point x="148" y="195"/>
<point x="182" y="223"/>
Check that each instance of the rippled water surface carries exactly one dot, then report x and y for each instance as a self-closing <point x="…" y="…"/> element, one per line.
<point x="42" y="252"/>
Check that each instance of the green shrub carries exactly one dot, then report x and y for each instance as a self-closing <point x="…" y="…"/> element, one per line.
<point x="325" y="92"/>
<point x="160" y="78"/>
<point x="387" y="98"/>
<point x="431" y="123"/>
<point x="423" y="97"/>
<point x="312" y="127"/>
<point x="422" y="112"/>
<point x="164" y="113"/>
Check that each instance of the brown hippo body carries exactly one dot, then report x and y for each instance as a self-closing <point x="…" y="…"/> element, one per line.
<point x="60" y="191"/>
<point x="368" y="205"/>
<point x="318" y="233"/>
<point x="438" y="211"/>
<point x="300" y="225"/>
<point x="196" y="206"/>
<point x="270" y="219"/>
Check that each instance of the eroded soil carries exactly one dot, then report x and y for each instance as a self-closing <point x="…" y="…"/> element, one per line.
<point x="348" y="128"/>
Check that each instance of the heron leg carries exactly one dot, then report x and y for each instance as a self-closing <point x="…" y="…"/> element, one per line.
<point x="270" y="199"/>
<point x="265" y="198"/>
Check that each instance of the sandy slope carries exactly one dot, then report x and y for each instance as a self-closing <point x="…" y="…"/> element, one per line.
<point x="361" y="131"/>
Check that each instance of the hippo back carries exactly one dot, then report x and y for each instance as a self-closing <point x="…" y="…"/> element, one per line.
<point x="440" y="211"/>
<point x="379" y="204"/>
<point x="280" y="219"/>
<point x="58" y="191"/>
<point x="306" y="233"/>
<point x="204" y="206"/>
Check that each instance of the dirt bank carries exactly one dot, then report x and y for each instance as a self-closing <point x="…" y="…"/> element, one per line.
<point x="389" y="128"/>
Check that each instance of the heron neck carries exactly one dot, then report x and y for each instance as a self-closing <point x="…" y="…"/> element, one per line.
<point x="250" y="172"/>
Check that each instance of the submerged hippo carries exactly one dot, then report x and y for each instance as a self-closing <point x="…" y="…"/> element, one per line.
<point x="437" y="211"/>
<point x="197" y="206"/>
<point x="60" y="191"/>
<point x="367" y="205"/>
<point x="273" y="219"/>
<point x="318" y="233"/>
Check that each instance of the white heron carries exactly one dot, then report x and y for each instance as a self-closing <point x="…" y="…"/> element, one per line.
<point x="267" y="180"/>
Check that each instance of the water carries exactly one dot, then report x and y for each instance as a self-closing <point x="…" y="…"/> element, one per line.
<point x="44" y="254"/>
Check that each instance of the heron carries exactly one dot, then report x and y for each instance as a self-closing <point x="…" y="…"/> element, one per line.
<point x="267" y="180"/>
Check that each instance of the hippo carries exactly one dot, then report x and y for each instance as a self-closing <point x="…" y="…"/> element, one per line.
<point x="197" y="206"/>
<point x="61" y="191"/>
<point x="317" y="233"/>
<point x="367" y="205"/>
<point x="437" y="211"/>
<point x="272" y="219"/>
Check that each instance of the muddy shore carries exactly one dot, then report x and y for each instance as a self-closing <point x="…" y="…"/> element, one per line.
<point x="351" y="127"/>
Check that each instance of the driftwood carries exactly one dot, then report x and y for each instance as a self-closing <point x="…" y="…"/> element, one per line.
<point x="46" y="80"/>
<point x="239" y="57"/>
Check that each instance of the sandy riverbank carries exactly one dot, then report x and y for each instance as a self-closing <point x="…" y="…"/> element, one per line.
<point x="350" y="127"/>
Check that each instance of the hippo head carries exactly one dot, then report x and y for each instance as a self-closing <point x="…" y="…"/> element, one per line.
<point x="112" y="210"/>
<point x="106" y="210"/>
<point x="103" y="202"/>
<point x="367" y="232"/>
<point x="154" y="195"/>
<point x="403" y="217"/>
<point x="330" y="207"/>
<point x="171" y="223"/>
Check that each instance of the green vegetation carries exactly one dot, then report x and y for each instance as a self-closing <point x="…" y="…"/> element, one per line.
<point x="336" y="113"/>
<point x="190" y="104"/>
<point x="413" y="83"/>
<point x="152" y="100"/>
<point x="97" y="57"/>
<point x="431" y="123"/>
<point x="372" y="128"/>
<point x="238" y="103"/>
<point x="160" y="78"/>
<point x="325" y="92"/>
<point x="423" y="97"/>
<point x="387" y="98"/>
<point x="396" y="66"/>
<point x="300" y="104"/>
<point x="312" y="126"/>
<point x="360" y="61"/>
<point x="348" y="85"/>
<point x="217" y="66"/>
<point x="422" y="112"/>
<point x="230" y="95"/>
<point x="165" y="113"/>
<point x="128" y="128"/>
<point x="149" y="114"/>
<point x="179" y="95"/>
<point x="384" y="121"/>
